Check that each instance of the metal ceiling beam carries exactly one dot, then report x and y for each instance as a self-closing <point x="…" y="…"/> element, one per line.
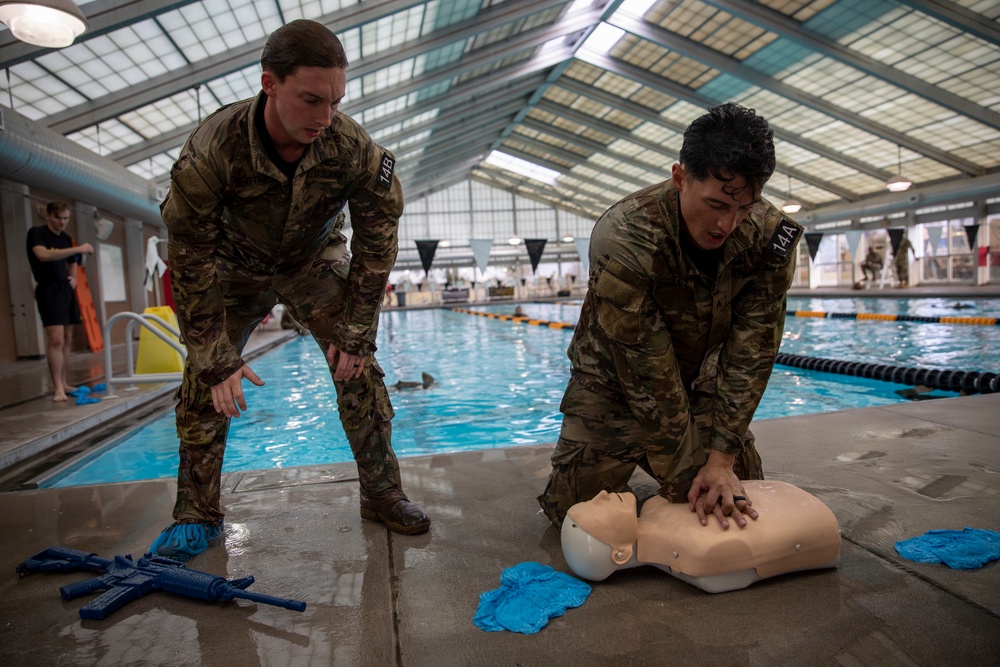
<point x="481" y="23"/>
<point x="454" y="116"/>
<point x="454" y="98"/>
<point x="940" y="194"/>
<point x="529" y="39"/>
<point x="618" y="132"/>
<point x="731" y="67"/>
<point x="959" y="17"/>
<point x="569" y="157"/>
<point x="498" y="178"/>
<point x="778" y="23"/>
<point x="474" y="90"/>
<point x="429" y="181"/>
<point x="153" y="147"/>
<point x="205" y="71"/>
<point x="649" y="115"/>
<point x="446" y="141"/>
<point x="543" y="193"/>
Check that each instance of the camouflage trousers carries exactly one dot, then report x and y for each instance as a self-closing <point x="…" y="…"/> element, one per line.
<point x="314" y="295"/>
<point x="601" y="443"/>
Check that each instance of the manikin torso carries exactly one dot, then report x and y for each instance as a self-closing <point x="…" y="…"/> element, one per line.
<point x="795" y="531"/>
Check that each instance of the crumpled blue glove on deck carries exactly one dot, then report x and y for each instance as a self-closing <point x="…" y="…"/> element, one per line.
<point x="967" y="549"/>
<point x="184" y="541"/>
<point x="529" y="595"/>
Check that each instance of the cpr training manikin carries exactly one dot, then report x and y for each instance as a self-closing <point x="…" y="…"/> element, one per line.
<point x="795" y="531"/>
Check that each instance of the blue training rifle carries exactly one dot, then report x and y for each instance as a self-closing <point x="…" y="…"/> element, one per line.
<point x="124" y="580"/>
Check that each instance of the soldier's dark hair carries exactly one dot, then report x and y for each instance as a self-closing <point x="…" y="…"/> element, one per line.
<point x="728" y="141"/>
<point x="56" y="207"/>
<point x="301" y="43"/>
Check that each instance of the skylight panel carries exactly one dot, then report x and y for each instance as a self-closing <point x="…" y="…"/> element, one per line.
<point x="601" y="40"/>
<point x="682" y="112"/>
<point x="622" y="119"/>
<point x="107" y="137"/>
<point x="523" y="167"/>
<point x="617" y="84"/>
<point x="799" y="119"/>
<point x="421" y="118"/>
<point x="156" y="167"/>
<point x="652" y="99"/>
<point x="657" y="133"/>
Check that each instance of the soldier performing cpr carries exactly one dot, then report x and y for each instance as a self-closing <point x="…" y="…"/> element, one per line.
<point x="679" y="329"/>
<point x="253" y="219"/>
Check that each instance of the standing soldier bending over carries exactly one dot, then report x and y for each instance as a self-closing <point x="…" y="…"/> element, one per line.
<point x="679" y="329"/>
<point x="253" y="220"/>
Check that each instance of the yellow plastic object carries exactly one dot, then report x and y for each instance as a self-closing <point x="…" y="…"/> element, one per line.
<point x="155" y="356"/>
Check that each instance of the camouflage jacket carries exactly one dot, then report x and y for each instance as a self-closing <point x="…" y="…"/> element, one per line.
<point x="227" y="200"/>
<point x="670" y="341"/>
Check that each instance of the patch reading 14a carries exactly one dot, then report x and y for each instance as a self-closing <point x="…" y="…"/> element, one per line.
<point x="784" y="238"/>
<point x="384" y="177"/>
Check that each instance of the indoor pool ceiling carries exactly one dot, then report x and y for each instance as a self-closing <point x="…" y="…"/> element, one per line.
<point x="594" y="94"/>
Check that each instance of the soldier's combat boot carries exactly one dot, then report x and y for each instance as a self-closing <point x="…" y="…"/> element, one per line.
<point x="396" y="511"/>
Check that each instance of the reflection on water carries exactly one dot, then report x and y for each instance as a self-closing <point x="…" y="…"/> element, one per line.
<point x="500" y="384"/>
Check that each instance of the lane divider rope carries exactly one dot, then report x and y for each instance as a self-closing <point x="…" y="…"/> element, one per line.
<point x="968" y="382"/>
<point x="885" y="317"/>
<point x="510" y="318"/>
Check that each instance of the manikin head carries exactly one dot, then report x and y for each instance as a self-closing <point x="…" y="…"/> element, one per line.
<point x="598" y="536"/>
<point x="725" y="160"/>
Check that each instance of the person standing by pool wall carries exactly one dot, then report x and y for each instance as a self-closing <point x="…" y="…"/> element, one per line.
<point x="679" y="329"/>
<point x="253" y="219"/>
<point x="54" y="259"/>
<point x="901" y="260"/>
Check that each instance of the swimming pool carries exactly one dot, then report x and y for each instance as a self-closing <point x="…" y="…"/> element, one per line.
<point x="499" y="384"/>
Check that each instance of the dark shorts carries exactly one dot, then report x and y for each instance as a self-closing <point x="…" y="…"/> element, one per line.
<point x="57" y="304"/>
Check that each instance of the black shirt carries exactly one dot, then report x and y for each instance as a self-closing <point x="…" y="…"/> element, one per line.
<point x="287" y="168"/>
<point x="49" y="271"/>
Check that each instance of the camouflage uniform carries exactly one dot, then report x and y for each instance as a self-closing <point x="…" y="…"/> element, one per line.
<point x="902" y="261"/>
<point x="667" y="362"/>
<point x="242" y="238"/>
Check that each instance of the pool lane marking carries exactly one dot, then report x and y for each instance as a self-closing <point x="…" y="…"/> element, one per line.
<point x="885" y="317"/>
<point x="511" y="318"/>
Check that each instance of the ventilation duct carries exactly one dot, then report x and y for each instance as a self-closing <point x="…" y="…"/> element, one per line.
<point x="36" y="156"/>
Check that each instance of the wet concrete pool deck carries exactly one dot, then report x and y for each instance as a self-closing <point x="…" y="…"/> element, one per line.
<point x="376" y="598"/>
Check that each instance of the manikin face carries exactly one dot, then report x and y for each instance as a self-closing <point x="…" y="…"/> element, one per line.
<point x="57" y="222"/>
<point x="709" y="213"/>
<point x="302" y="106"/>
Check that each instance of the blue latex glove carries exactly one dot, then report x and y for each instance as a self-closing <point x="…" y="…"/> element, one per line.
<point x="184" y="541"/>
<point x="529" y="595"/>
<point x="79" y="392"/>
<point x="86" y="400"/>
<point x="967" y="549"/>
<point x="99" y="387"/>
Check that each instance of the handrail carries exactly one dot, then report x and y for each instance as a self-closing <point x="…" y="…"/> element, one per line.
<point x="145" y="320"/>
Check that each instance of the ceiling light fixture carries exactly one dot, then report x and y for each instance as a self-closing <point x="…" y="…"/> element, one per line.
<point x="793" y="205"/>
<point x="49" y="23"/>
<point x="899" y="183"/>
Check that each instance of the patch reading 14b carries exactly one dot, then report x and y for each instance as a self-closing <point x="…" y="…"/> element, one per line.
<point x="784" y="238"/>
<point x="384" y="177"/>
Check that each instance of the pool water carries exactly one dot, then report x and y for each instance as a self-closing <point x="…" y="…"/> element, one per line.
<point x="499" y="383"/>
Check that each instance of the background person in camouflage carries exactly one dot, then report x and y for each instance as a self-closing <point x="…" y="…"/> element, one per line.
<point x="679" y="329"/>
<point x="901" y="260"/>
<point x="253" y="218"/>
